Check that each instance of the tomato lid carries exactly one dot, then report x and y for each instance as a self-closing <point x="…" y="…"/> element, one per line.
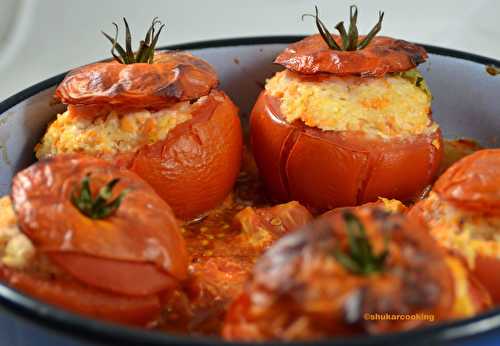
<point x="349" y="53"/>
<point x="141" y="79"/>
<point x="173" y="76"/>
<point x="383" y="55"/>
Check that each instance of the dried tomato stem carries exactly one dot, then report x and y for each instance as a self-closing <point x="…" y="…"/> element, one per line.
<point x="350" y="39"/>
<point x="145" y="53"/>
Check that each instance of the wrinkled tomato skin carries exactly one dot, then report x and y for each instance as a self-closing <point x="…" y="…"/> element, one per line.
<point x="195" y="167"/>
<point x="137" y="250"/>
<point x="298" y="280"/>
<point x="312" y="55"/>
<point x="138" y="311"/>
<point x="325" y="169"/>
<point x="174" y="76"/>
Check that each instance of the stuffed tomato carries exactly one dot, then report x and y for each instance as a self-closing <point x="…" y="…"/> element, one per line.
<point x="85" y="235"/>
<point x="337" y="275"/>
<point x="158" y="114"/>
<point x="463" y="214"/>
<point x="347" y="121"/>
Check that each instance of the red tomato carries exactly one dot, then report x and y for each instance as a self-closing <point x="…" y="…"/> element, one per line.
<point x="325" y="169"/>
<point x="384" y="54"/>
<point x="174" y="76"/>
<point x="472" y="187"/>
<point x="142" y="230"/>
<point x="114" y="267"/>
<point x="86" y="300"/>
<point x="300" y="290"/>
<point x="473" y="182"/>
<point x="130" y="278"/>
<point x="195" y="167"/>
<point x="481" y="295"/>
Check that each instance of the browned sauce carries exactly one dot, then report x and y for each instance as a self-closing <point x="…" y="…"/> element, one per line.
<point x="220" y="260"/>
<point x="222" y="256"/>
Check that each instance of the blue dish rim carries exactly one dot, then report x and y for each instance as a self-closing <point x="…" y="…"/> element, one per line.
<point x="87" y="329"/>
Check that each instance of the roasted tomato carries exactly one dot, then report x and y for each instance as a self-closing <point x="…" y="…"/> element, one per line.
<point x="463" y="214"/>
<point x="163" y="119"/>
<point x="337" y="275"/>
<point x="83" y="234"/>
<point x="382" y="55"/>
<point x="174" y="76"/>
<point x="260" y="227"/>
<point x="223" y="250"/>
<point x="343" y="127"/>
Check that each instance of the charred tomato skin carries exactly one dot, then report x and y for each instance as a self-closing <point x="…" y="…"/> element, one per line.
<point x="299" y="292"/>
<point x="327" y="169"/>
<point x="383" y="55"/>
<point x="174" y="76"/>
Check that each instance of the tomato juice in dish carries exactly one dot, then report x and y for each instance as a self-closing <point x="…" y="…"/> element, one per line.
<point x="146" y="208"/>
